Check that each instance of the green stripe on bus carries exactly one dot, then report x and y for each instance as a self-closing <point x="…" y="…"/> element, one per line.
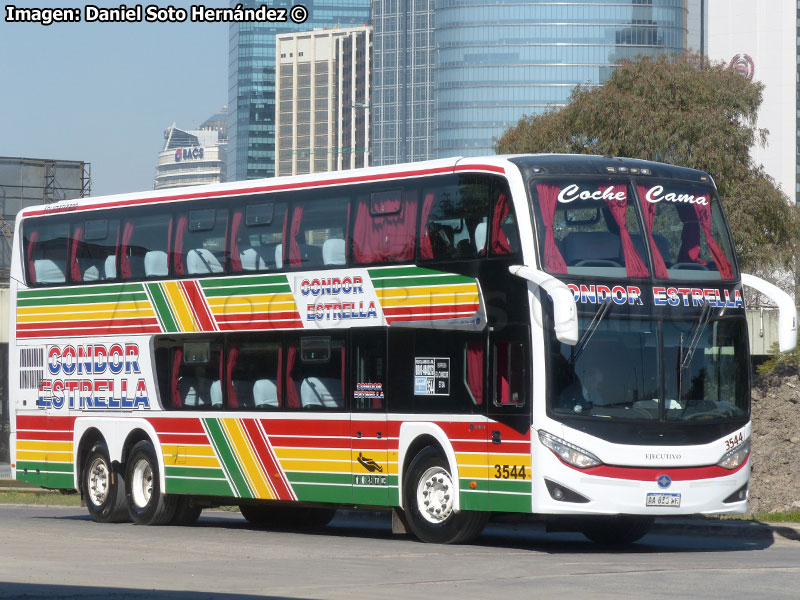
<point x="421" y="281"/>
<point x="204" y="487"/>
<point x="53" y="467"/>
<point x="510" y="503"/>
<point x="243" y="281"/>
<point x="309" y="492"/>
<point x="195" y="472"/>
<point x="297" y="477"/>
<point x="83" y="291"/>
<point x="48" y="480"/>
<point x="163" y="310"/>
<point x="504" y="485"/>
<point x="228" y="459"/>
<point x="82" y="300"/>
<point x="406" y="271"/>
<point x="474" y="500"/>
<point x="250" y="290"/>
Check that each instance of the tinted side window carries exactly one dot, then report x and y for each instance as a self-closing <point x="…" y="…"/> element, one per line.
<point x="145" y="246"/>
<point x="200" y="242"/>
<point x="317" y="233"/>
<point x="257" y="237"/>
<point x="315" y="373"/>
<point x="195" y="380"/>
<point x="93" y="256"/>
<point x="252" y="375"/>
<point x="45" y="246"/>
<point x="454" y="219"/>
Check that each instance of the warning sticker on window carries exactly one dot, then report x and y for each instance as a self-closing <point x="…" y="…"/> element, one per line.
<point x="431" y="376"/>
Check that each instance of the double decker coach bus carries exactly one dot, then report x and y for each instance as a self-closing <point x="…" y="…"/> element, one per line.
<point x="555" y="335"/>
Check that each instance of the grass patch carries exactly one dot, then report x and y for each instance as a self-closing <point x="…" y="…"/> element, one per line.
<point x="39" y="498"/>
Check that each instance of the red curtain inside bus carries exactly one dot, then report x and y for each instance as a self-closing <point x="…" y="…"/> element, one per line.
<point x="425" y="245"/>
<point x="634" y="265"/>
<point x="475" y="370"/>
<point x="547" y="194"/>
<point x="500" y="243"/>
<point x="385" y="229"/>
<point x="649" y="211"/>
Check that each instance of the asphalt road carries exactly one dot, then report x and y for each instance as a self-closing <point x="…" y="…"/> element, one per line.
<point x="48" y="552"/>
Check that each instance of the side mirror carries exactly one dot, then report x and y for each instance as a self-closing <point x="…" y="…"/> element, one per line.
<point x="565" y="312"/>
<point x="787" y="312"/>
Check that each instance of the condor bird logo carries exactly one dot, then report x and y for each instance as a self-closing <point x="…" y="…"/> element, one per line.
<point x="369" y="464"/>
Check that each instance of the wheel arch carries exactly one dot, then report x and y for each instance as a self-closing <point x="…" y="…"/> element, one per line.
<point x="119" y="436"/>
<point x="413" y="438"/>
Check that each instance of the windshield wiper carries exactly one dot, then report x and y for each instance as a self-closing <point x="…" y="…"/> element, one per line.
<point x="697" y="333"/>
<point x="599" y="314"/>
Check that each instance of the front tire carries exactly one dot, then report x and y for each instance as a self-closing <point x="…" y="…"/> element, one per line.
<point x="147" y="505"/>
<point x="428" y="497"/>
<point x="103" y="489"/>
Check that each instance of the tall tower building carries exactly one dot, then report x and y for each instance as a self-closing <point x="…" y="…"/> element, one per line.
<point x="497" y="60"/>
<point x="323" y="97"/>
<point x="251" y="78"/>
<point x="450" y="76"/>
<point x="402" y="80"/>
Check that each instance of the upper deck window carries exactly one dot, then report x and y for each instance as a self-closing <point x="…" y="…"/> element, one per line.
<point x="589" y="227"/>
<point x="45" y="247"/>
<point x="686" y="231"/>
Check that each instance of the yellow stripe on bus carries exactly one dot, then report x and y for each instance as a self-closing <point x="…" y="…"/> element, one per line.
<point x="45" y="456"/>
<point x="44" y="446"/>
<point x="313" y="453"/>
<point x="426" y="291"/>
<point x="180" y="308"/>
<point x="258" y="299"/>
<point x="316" y="466"/>
<point x="432" y="300"/>
<point x="78" y="307"/>
<point x="247" y="459"/>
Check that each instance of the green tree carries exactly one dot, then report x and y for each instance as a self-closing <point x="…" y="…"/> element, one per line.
<point x="683" y="110"/>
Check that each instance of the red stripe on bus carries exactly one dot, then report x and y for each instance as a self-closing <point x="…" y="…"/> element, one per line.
<point x="164" y="425"/>
<point x="45" y="435"/>
<point x="253" y="190"/>
<point x="282" y="441"/>
<point x="289" y="315"/>
<point x="435" y="310"/>
<point x="269" y="462"/>
<point x="44" y="422"/>
<point x="197" y="304"/>
<point x="492" y="168"/>
<point x="306" y="427"/>
<point x="259" y="325"/>
<point x="93" y="323"/>
<point x="86" y="331"/>
<point x="653" y="473"/>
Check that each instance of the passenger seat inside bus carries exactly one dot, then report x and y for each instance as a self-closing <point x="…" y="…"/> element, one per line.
<point x="200" y="391"/>
<point x="252" y="259"/>
<point x="322" y="392"/>
<point x="97" y="269"/>
<point x="265" y="394"/>
<point x="155" y="264"/>
<point x="49" y="270"/>
<point x="333" y="252"/>
<point x="200" y="261"/>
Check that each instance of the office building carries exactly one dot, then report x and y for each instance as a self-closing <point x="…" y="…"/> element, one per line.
<point x="323" y="100"/>
<point x="403" y="70"/>
<point x="760" y="40"/>
<point x="451" y="76"/>
<point x="193" y="157"/>
<point x="251" y="79"/>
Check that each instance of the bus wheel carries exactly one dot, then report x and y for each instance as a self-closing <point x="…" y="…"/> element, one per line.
<point x="428" y="494"/>
<point x="619" y="530"/>
<point x="103" y="489"/>
<point x="146" y="504"/>
<point x="186" y="511"/>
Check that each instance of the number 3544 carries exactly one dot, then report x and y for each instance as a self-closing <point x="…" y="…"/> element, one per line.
<point x="734" y="441"/>
<point x="510" y="472"/>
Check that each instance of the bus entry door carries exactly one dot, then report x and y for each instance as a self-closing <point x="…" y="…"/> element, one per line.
<point x="509" y="425"/>
<point x="369" y="445"/>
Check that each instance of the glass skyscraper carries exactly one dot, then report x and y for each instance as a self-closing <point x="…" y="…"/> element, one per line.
<point x="500" y="59"/>
<point x="251" y="78"/>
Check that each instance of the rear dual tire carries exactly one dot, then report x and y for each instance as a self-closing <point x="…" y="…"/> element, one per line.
<point x="147" y="504"/>
<point x="103" y="487"/>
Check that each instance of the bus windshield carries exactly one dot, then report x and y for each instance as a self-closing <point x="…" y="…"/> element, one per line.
<point x="618" y="373"/>
<point x="592" y="227"/>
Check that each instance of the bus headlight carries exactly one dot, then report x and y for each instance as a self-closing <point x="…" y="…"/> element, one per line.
<point x="736" y="457"/>
<point x="569" y="453"/>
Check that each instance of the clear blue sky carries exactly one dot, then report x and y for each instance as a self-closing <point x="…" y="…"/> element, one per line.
<point x="105" y="92"/>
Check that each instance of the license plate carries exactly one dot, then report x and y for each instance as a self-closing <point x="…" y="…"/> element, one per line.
<point x="663" y="500"/>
